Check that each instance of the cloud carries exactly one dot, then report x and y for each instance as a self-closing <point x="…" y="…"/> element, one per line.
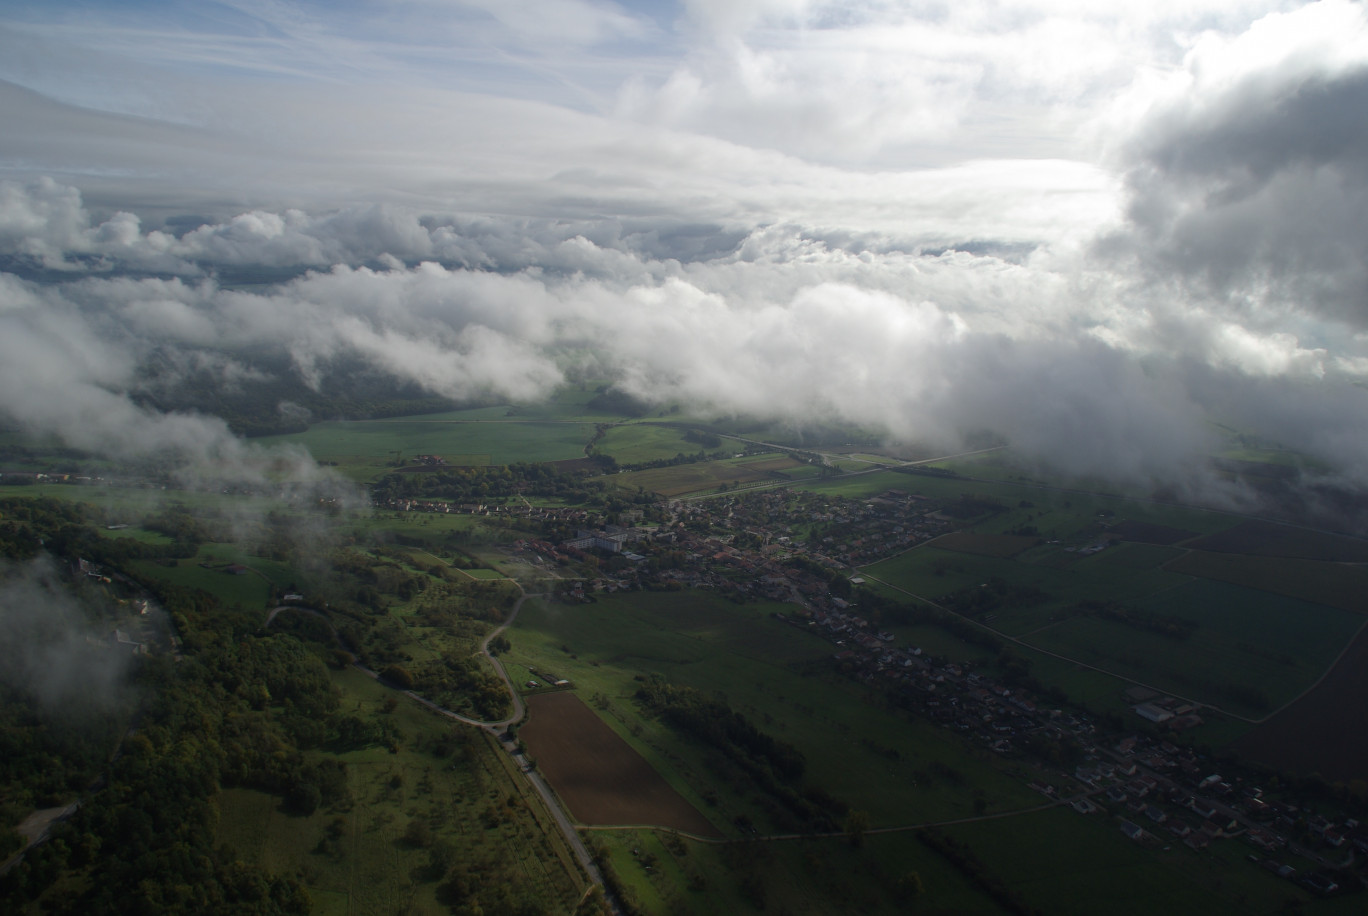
<point x="784" y="323"/>
<point x="49" y="649"/>
<point x="1247" y="169"/>
<point x="927" y="83"/>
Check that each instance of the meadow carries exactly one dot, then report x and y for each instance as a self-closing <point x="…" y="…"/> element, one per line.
<point x="632" y="443"/>
<point x="875" y="759"/>
<point x="707" y="476"/>
<point x="208" y="571"/>
<point x="364" y="449"/>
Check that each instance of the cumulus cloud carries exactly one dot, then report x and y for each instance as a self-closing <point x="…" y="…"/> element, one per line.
<point x="1093" y="230"/>
<point x="1247" y="171"/>
<point x="1077" y="370"/>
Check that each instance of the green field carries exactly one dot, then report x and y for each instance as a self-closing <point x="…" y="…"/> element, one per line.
<point x="248" y="591"/>
<point x="805" y="876"/>
<point x="365" y="448"/>
<point x="631" y="443"/>
<point x="1333" y="584"/>
<point x="758" y="663"/>
<point x="705" y="476"/>
<point x="1066" y="863"/>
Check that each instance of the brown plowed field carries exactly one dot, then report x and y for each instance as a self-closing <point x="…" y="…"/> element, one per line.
<point x="1325" y="731"/>
<point x="600" y="777"/>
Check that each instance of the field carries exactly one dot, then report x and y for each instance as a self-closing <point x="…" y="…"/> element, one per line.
<point x="1150" y="533"/>
<point x="1332" y="584"/>
<point x="597" y="774"/>
<point x="366" y="448"/>
<point x="630" y="443"/>
<point x="708" y="475"/>
<point x="873" y="758"/>
<point x="249" y="590"/>
<point x="1325" y="731"/>
<point x="1259" y="630"/>
<point x="1065" y="863"/>
<point x="1266" y="539"/>
<point x="817" y="875"/>
<point x="1248" y="652"/>
<point x="987" y="545"/>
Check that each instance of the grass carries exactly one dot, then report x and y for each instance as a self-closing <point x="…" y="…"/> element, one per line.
<point x="1333" y="584"/>
<point x="1065" y="863"/>
<point x="703" y="476"/>
<point x="873" y="758"/>
<point x="370" y="867"/>
<point x="367" y="448"/>
<point x="631" y="443"/>
<point x="807" y="876"/>
<point x="250" y="590"/>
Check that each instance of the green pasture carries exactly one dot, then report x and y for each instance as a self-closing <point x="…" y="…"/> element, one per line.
<point x="129" y="503"/>
<point x="437" y="530"/>
<point x="874" y="759"/>
<point x="363" y="448"/>
<point x="1335" y="584"/>
<point x="247" y="591"/>
<point x="356" y="860"/>
<point x="824" y="875"/>
<point x="1062" y="862"/>
<point x="931" y="573"/>
<point x="632" y="443"/>
<point x="703" y="476"/>
<point x="141" y="535"/>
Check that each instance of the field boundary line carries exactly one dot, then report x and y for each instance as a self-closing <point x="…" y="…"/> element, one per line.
<point x="1324" y="674"/>
<point x="1063" y="658"/>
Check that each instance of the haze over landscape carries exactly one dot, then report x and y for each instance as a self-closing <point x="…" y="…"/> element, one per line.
<point x="683" y="456"/>
<point x="1091" y="231"/>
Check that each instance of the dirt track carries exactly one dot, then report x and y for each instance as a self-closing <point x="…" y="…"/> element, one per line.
<point x="599" y="776"/>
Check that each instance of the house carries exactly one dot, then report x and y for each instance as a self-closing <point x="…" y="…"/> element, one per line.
<point x="1133" y="831"/>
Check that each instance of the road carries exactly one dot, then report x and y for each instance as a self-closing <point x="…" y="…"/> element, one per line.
<point x="498" y="729"/>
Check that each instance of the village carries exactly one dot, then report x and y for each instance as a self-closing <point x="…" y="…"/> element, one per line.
<point x="803" y="548"/>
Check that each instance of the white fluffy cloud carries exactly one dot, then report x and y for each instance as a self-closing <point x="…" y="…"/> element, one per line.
<point x="1092" y="229"/>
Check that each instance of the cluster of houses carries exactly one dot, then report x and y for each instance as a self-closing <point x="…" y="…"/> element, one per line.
<point x="1163" y="793"/>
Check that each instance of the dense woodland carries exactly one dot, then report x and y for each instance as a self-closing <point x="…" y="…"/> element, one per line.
<point x="238" y="709"/>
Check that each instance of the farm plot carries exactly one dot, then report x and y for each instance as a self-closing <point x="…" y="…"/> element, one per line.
<point x="1265" y="539"/>
<point x="633" y="442"/>
<point x="374" y="443"/>
<point x="1319" y="582"/>
<point x="1150" y="533"/>
<point x="776" y="675"/>
<point x="1106" y="873"/>
<point x="601" y="779"/>
<point x="707" y="475"/>
<point x="1325" y="731"/>
<point x="986" y="545"/>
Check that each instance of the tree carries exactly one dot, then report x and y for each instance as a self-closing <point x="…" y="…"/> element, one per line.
<point x="856" y="825"/>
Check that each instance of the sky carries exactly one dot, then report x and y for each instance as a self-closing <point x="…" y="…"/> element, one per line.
<point x="1102" y="233"/>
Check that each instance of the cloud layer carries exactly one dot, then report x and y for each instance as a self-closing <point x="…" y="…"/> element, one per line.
<point x="1096" y="233"/>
